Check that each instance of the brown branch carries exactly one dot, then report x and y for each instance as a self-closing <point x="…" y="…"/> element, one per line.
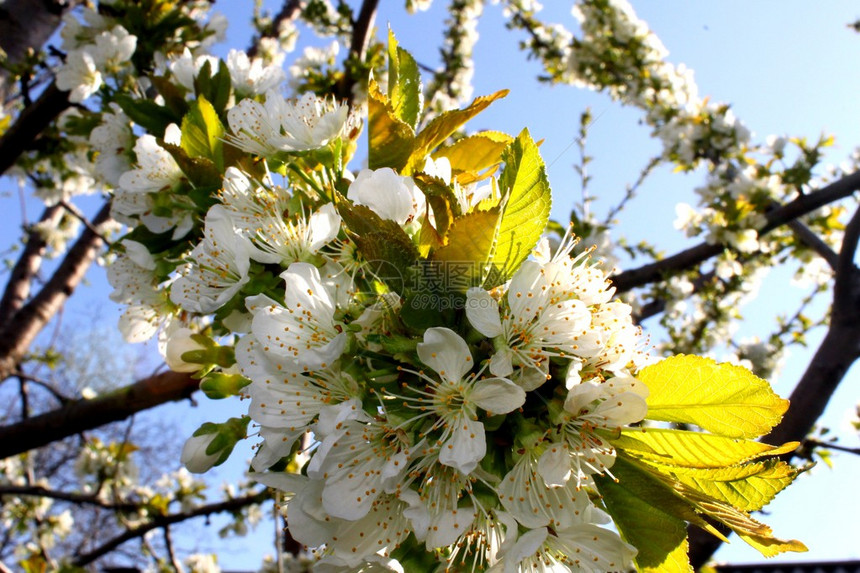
<point x="25" y="26"/>
<point x="32" y="122"/>
<point x="82" y="415"/>
<point x="834" y="356"/>
<point x="28" y="264"/>
<point x="808" y="237"/>
<point x="19" y="333"/>
<point x="72" y="497"/>
<point x="230" y="505"/>
<point x="361" y="30"/>
<point x="688" y="258"/>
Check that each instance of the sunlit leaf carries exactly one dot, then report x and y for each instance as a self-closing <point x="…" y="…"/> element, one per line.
<point x="443" y="125"/>
<point x="527" y="200"/>
<point x="390" y="139"/>
<point x="470" y="242"/>
<point x="694" y="449"/>
<point x="748" y="487"/>
<point x="755" y="533"/>
<point x="722" y="398"/>
<point x="475" y="152"/>
<point x="203" y="133"/>
<point x="404" y="83"/>
<point x="441" y="199"/>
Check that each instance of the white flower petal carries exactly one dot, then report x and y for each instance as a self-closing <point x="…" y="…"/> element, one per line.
<point x="554" y="465"/>
<point x="482" y="310"/>
<point x="445" y="352"/>
<point x="466" y="446"/>
<point x="497" y="395"/>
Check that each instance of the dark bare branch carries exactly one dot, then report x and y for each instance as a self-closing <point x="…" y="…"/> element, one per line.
<point x="808" y="237"/>
<point x="361" y="31"/>
<point x="19" y="333"/>
<point x="82" y="415"/>
<point x="32" y="122"/>
<point x="25" y="269"/>
<point x="25" y="26"/>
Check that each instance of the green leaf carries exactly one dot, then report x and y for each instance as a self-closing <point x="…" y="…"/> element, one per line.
<point x="442" y="126"/>
<point x="693" y="449"/>
<point x="218" y="385"/>
<point x="215" y="89"/>
<point x="383" y="243"/>
<point x="652" y="484"/>
<point x="147" y="114"/>
<point x="527" y="201"/>
<point x="441" y="198"/>
<point x="173" y="95"/>
<point x="390" y="139"/>
<point x="722" y="398"/>
<point x="202" y="133"/>
<point x="404" y="83"/>
<point x="201" y="171"/>
<point x="661" y="538"/>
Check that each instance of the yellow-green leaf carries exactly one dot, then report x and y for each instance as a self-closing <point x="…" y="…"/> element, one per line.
<point x="443" y="125"/>
<point x="755" y="533"/>
<point x="748" y="487"/>
<point x="527" y="200"/>
<point x="390" y="140"/>
<point x="476" y="152"/>
<point x="203" y="133"/>
<point x="722" y="398"/>
<point x="469" y="244"/>
<point x="693" y="449"/>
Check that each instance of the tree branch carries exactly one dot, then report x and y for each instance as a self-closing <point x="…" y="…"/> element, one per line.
<point x="230" y="505"/>
<point x="361" y="30"/>
<point x="685" y="259"/>
<point x="290" y="10"/>
<point x="82" y="415"/>
<point x="19" y="333"/>
<point x="806" y="236"/>
<point x="32" y="121"/>
<point x="18" y="288"/>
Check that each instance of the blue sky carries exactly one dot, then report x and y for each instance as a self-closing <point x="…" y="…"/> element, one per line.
<point x="786" y="67"/>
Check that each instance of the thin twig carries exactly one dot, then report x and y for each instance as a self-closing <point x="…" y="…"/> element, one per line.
<point x="83" y="219"/>
<point x="688" y="258"/>
<point x="818" y="444"/>
<point x="71" y="497"/>
<point x="290" y="10"/>
<point x="230" y="505"/>
<point x="44" y="384"/>
<point x="171" y="555"/>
